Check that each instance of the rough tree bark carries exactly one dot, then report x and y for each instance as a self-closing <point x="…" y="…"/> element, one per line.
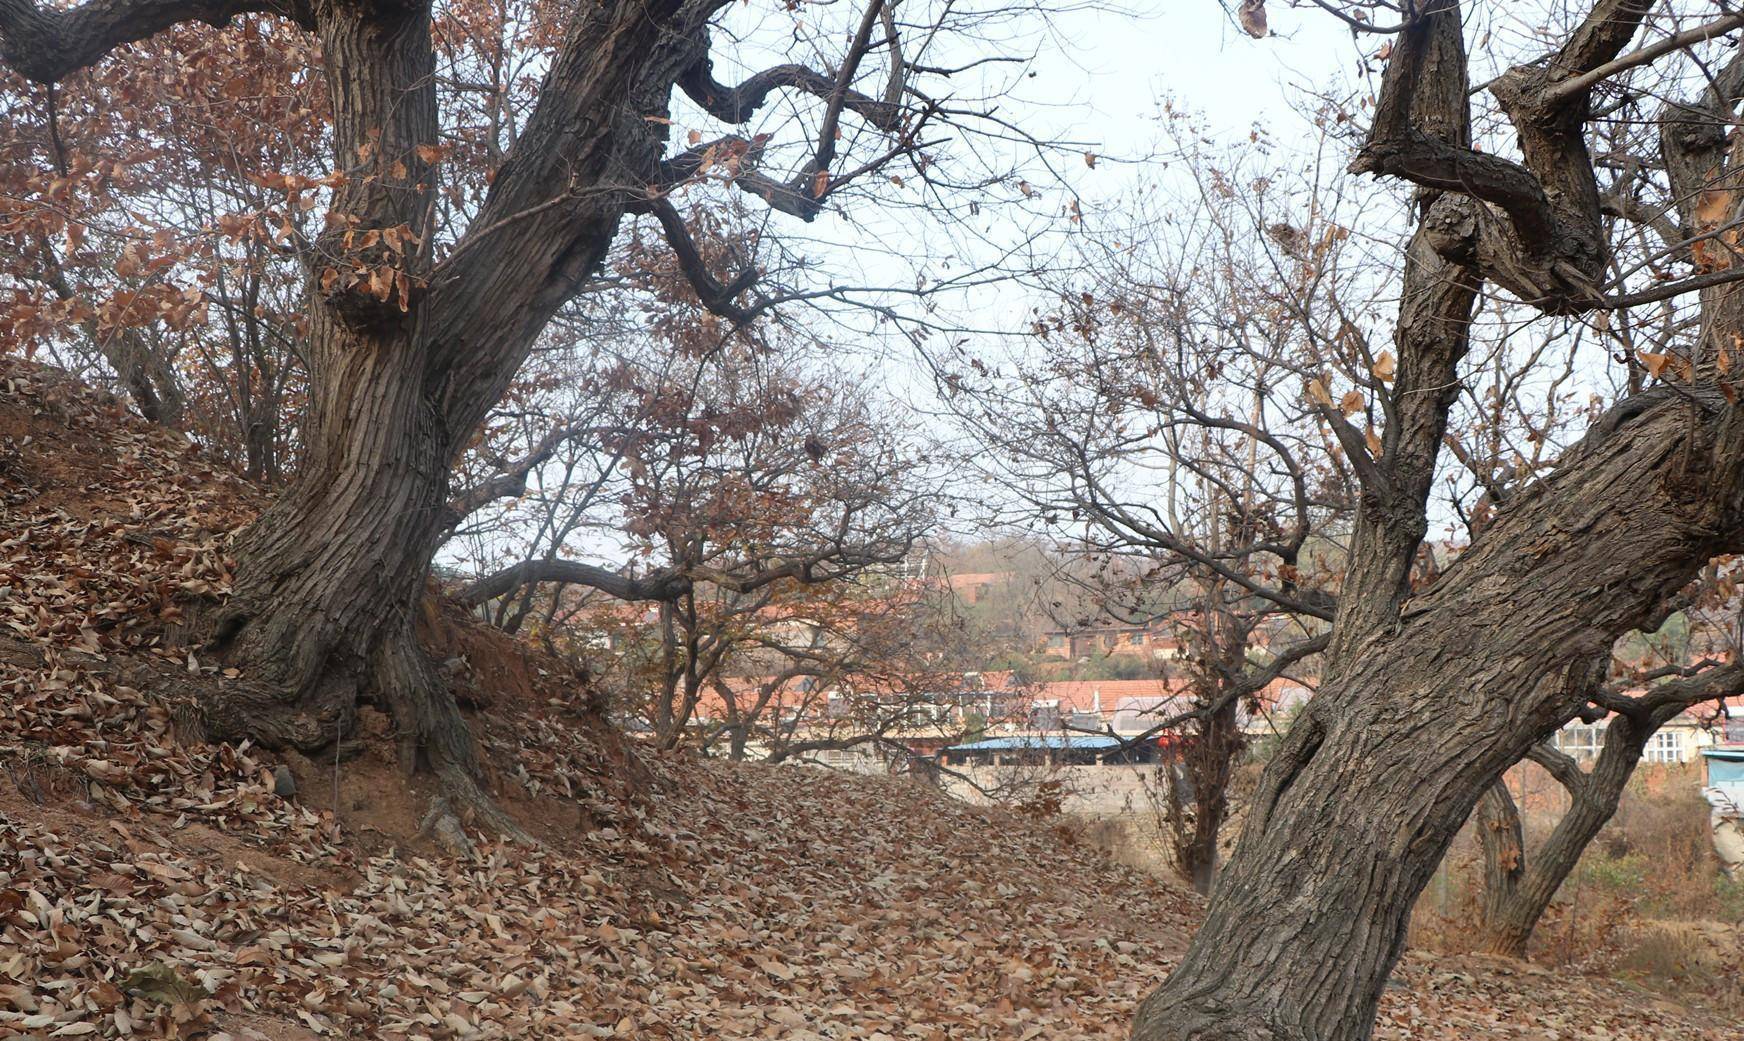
<point x="1426" y="700"/>
<point x="328" y="577"/>
<point x="1372" y="783"/>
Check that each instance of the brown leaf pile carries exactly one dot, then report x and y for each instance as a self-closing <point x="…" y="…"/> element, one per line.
<point x="150" y="888"/>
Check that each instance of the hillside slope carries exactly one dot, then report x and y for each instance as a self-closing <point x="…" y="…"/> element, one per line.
<point x="151" y="886"/>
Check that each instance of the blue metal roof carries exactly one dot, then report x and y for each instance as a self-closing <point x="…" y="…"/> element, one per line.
<point x="1725" y="752"/>
<point x="1086" y="742"/>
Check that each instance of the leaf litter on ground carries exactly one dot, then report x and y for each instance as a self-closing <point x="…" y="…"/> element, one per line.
<point x="152" y="886"/>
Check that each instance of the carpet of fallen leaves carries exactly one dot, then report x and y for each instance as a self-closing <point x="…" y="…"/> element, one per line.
<point x="155" y="887"/>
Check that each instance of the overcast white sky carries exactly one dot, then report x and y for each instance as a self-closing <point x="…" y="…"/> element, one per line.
<point x="1097" y="80"/>
<point x="1099" y="77"/>
<point x="1120" y="64"/>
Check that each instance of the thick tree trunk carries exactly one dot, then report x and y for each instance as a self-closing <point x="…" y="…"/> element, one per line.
<point x="329" y="577"/>
<point x="406" y="354"/>
<point x="1428" y="699"/>
<point x="1387" y="762"/>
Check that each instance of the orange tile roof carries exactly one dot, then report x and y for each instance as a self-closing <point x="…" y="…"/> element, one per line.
<point x="1089" y="695"/>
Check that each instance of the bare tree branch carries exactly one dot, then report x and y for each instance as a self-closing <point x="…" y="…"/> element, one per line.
<point x="737" y="105"/>
<point x="512" y="479"/>
<point x="823" y="565"/>
<point x="1650" y="53"/>
<point x="46" y="44"/>
<point x="717" y="296"/>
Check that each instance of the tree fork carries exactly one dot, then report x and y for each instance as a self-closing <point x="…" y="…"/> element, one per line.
<point x="1519" y="886"/>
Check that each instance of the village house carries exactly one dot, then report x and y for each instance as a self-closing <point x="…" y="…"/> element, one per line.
<point x="1680" y="740"/>
<point x="1155" y="640"/>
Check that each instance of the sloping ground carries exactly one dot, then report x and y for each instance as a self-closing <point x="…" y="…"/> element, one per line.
<point x="154" y="888"/>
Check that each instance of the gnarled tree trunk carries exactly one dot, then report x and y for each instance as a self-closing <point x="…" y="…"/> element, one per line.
<point x="407" y="353"/>
<point x="1428" y="699"/>
<point x="329" y="577"/>
<point x="1374" y="781"/>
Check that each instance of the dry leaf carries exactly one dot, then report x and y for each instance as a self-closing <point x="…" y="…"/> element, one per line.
<point x="1252" y="16"/>
<point x="742" y="902"/>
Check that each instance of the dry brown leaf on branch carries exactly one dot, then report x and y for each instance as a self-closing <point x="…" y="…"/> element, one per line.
<point x="1252" y="15"/>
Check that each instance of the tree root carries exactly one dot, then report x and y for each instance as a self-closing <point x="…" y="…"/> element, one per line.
<point x="443" y="824"/>
<point x="306" y="696"/>
<point x="463" y="801"/>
